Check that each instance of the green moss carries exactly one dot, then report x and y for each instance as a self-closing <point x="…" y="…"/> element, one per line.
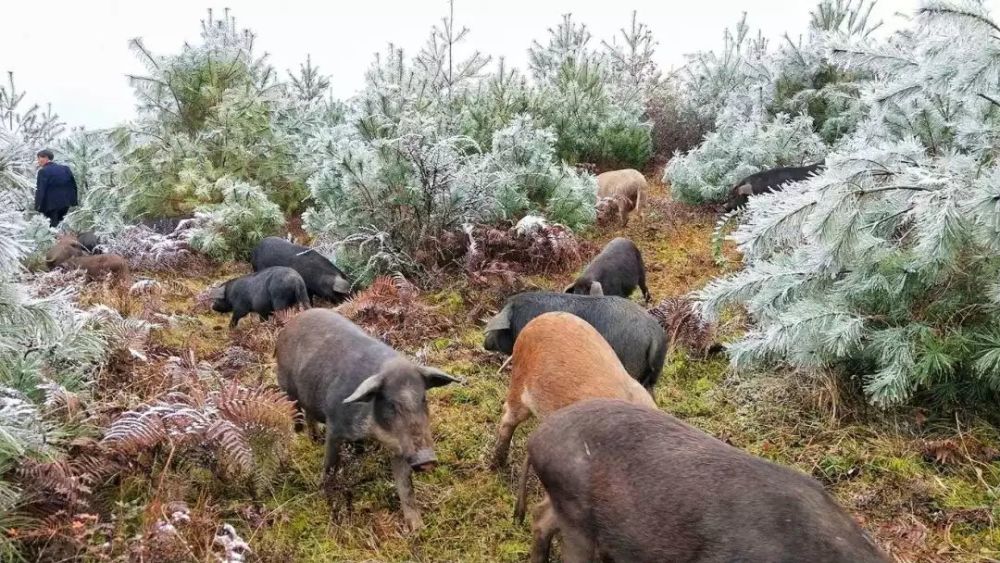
<point x="449" y="302"/>
<point x="899" y="467"/>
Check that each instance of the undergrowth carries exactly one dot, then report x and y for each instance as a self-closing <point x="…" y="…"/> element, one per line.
<point x="926" y="488"/>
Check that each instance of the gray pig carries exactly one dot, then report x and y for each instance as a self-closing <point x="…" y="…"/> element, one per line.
<point x="322" y="277"/>
<point x="629" y="483"/>
<point x="635" y="336"/>
<point x="89" y="241"/>
<point x="361" y="388"/>
<point x="264" y="292"/>
<point x="617" y="270"/>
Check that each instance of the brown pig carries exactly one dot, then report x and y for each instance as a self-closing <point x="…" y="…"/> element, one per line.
<point x="101" y="266"/>
<point x="558" y="360"/>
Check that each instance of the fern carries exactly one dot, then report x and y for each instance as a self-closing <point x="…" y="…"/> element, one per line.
<point x="223" y="422"/>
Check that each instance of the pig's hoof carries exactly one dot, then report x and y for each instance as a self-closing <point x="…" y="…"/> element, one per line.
<point x="498" y="461"/>
<point x="414" y="522"/>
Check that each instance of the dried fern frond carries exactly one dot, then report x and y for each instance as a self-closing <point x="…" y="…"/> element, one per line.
<point x="219" y="422"/>
<point x="684" y="324"/>
<point x="391" y="309"/>
<point x="531" y="247"/>
<point x="261" y="407"/>
<point x="51" y="485"/>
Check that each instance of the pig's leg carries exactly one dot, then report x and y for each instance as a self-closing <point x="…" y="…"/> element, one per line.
<point x="543" y="527"/>
<point x="330" y="466"/>
<point x="401" y="473"/>
<point x="577" y="546"/>
<point x="514" y="413"/>
<point x="237" y="315"/>
<point x="313" y="429"/>
<point x="332" y="461"/>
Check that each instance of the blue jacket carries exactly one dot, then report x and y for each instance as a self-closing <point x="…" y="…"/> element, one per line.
<point x="56" y="188"/>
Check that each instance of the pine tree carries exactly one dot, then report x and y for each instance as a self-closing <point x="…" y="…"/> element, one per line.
<point x="207" y="112"/>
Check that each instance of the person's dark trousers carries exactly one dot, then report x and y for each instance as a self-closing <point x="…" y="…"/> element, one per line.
<point x="56" y="216"/>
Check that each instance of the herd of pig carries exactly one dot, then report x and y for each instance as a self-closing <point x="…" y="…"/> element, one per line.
<point x="622" y="480"/>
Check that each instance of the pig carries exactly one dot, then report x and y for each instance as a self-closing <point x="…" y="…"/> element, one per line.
<point x="361" y="388"/>
<point x="67" y="246"/>
<point x="617" y="270"/>
<point x="637" y="339"/>
<point x="624" y="482"/>
<point x="322" y="277"/>
<point x="767" y="181"/>
<point x="100" y="267"/>
<point x="628" y="183"/>
<point x="271" y="289"/>
<point x="89" y="241"/>
<point x="560" y="360"/>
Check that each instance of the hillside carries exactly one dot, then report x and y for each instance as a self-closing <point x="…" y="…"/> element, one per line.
<point x="925" y="488"/>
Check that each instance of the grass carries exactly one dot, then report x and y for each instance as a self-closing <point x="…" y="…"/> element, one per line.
<point x="874" y="463"/>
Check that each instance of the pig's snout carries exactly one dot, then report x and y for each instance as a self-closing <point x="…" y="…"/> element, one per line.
<point x="423" y="460"/>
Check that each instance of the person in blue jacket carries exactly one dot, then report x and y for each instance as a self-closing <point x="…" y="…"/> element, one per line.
<point x="56" y="190"/>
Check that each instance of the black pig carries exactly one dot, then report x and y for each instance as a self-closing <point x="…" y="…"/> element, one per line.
<point x="767" y="181"/>
<point x="322" y="277"/>
<point x="617" y="270"/>
<point x="264" y="292"/>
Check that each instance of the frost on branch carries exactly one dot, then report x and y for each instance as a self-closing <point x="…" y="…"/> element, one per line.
<point x="882" y="266"/>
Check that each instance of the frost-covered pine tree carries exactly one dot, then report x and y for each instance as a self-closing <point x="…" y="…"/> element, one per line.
<point x="208" y="112"/>
<point x="630" y="67"/>
<point x="886" y="266"/>
<point x="429" y="145"/>
<point x="574" y="97"/>
<point x="771" y="107"/>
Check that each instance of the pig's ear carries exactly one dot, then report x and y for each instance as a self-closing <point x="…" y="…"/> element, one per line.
<point x="217" y="292"/>
<point x="569" y="288"/>
<point x="366" y="391"/>
<point x="340" y="285"/>
<point x="745" y="189"/>
<point x="434" y="377"/>
<point x="596" y="288"/>
<point x="501" y="321"/>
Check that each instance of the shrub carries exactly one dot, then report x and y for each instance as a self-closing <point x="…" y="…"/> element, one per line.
<point x="231" y="229"/>
<point x="208" y="112"/>
<point x="767" y="107"/>
<point x="593" y="103"/>
<point x="738" y="148"/>
<point x="390" y="309"/>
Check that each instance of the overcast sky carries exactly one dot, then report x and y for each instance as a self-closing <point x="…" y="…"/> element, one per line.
<point x="76" y="55"/>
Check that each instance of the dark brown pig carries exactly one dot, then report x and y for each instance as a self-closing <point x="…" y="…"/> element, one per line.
<point x="100" y="267"/>
<point x="361" y="388"/>
<point x="66" y="247"/>
<point x="629" y="483"/>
